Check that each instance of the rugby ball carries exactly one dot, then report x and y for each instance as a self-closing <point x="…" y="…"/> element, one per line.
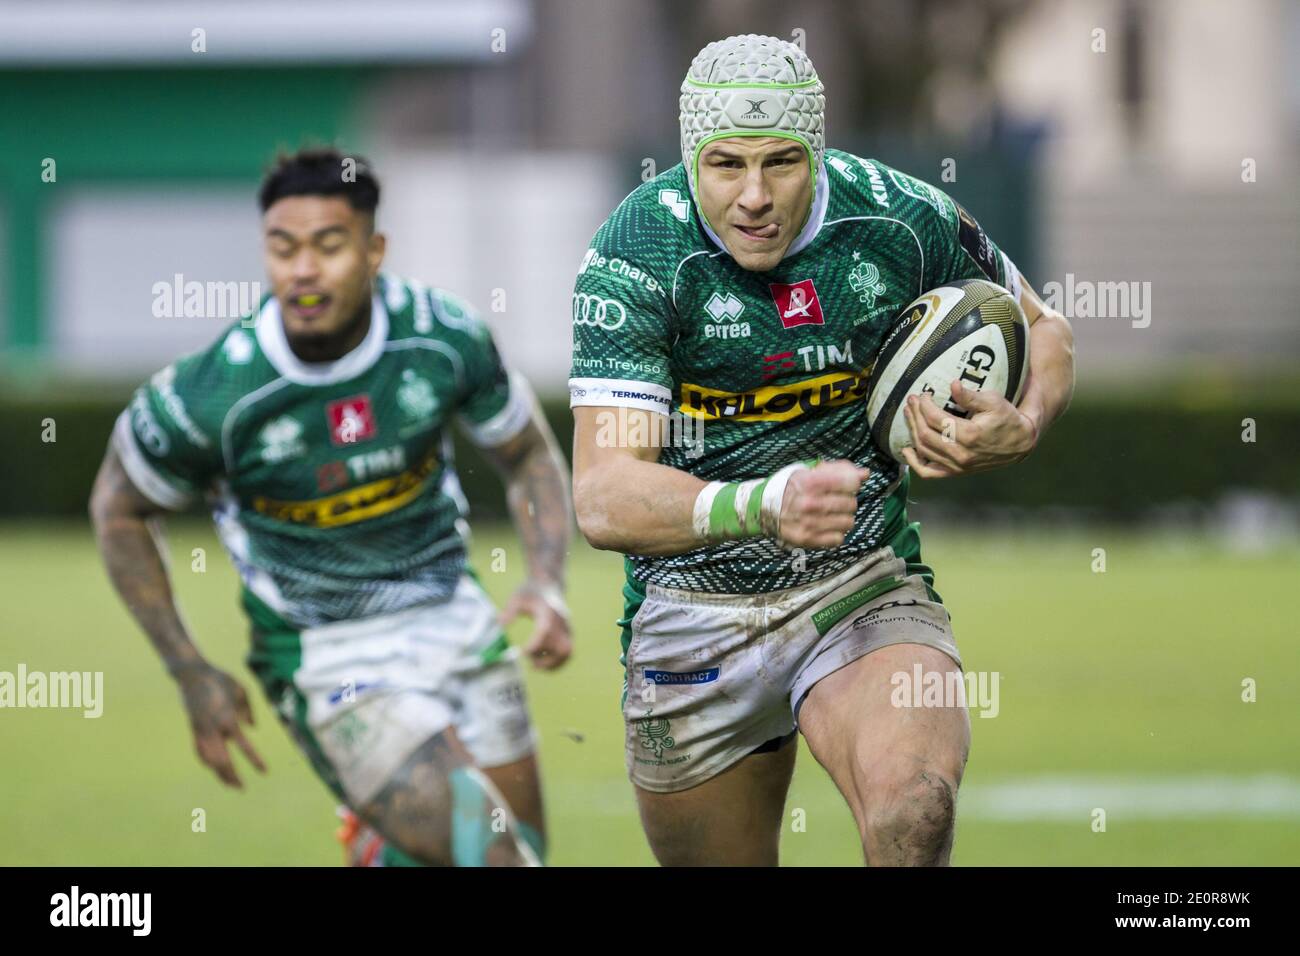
<point x="971" y="330"/>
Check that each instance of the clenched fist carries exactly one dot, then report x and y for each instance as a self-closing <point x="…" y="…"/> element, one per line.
<point x="819" y="504"/>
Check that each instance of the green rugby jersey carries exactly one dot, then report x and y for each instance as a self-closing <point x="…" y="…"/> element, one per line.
<point x="331" y="484"/>
<point x="771" y="367"/>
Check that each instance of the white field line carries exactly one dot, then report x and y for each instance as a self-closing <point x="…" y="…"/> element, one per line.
<point x="1074" y="797"/>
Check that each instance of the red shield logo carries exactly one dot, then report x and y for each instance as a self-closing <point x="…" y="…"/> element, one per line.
<point x="351" y="420"/>
<point x="796" y="304"/>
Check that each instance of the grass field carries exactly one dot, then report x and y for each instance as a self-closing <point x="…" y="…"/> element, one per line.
<point x="1120" y="690"/>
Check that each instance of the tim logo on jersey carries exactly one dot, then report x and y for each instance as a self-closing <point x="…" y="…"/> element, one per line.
<point x="796" y="303"/>
<point x="351" y="420"/>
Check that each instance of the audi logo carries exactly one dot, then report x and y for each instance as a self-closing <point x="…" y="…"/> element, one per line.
<point x="608" y="314"/>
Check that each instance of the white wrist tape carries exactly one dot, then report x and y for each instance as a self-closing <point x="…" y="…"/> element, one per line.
<point x="727" y="511"/>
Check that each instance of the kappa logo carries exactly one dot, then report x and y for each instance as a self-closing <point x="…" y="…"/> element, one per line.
<point x="351" y="420"/>
<point x="679" y="207"/>
<point x="796" y="303"/>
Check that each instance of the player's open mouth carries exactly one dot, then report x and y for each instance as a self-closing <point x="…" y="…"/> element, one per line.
<point x="310" y="304"/>
<point x="759" y="233"/>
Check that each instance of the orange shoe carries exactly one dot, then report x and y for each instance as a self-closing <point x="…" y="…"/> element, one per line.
<point x="361" y="844"/>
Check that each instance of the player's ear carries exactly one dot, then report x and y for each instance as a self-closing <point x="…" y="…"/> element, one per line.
<point x="376" y="246"/>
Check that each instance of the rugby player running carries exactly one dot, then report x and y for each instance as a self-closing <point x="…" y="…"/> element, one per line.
<point x="319" y="434"/>
<point x="747" y="290"/>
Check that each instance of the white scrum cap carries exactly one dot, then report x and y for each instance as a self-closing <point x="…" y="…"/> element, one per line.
<point x="751" y="85"/>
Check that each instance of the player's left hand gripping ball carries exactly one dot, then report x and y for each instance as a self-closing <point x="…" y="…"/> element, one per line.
<point x="994" y="434"/>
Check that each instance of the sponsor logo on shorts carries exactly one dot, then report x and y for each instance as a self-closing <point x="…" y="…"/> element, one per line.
<point x="347" y="692"/>
<point x="775" y="402"/>
<point x="654" y="734"/>
<point x="707" y="676"/>
<point x="832" y="613"/>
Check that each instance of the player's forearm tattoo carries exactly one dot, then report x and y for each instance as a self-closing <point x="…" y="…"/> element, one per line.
<point x="132" y="554"/>
<point x="537" y="491"/>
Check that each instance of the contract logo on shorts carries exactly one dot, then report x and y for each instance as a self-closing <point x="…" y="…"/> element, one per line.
<point x="707" y="676"/>
<point x="653" y="732"/>
<point x="608" y="314"/>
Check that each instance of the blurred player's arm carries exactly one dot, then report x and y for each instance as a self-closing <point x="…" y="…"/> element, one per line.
<point x="627" y="502"/>
<point x="128" y="528"/>
<point x="537" y="493"/>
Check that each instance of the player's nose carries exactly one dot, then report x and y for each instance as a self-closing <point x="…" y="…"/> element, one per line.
<point x="304" y="265"/>
<point x="755" y="197"/>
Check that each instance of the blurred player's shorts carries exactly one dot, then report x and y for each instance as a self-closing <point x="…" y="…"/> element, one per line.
<point x="711" y="678"/>
<point x="361" y="696"/>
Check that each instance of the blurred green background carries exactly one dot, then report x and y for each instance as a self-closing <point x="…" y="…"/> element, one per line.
<point x="1123" y="688"/>
<point x="502" y="134"/>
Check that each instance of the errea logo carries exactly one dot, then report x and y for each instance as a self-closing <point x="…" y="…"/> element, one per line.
<point x="676" y="204"/>
<point x="724" y="310"/>
<point x="720" y="308"/>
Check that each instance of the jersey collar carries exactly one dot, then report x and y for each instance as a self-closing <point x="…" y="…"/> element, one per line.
<point x="275" y="346"/>
<point x="821" y="199"/>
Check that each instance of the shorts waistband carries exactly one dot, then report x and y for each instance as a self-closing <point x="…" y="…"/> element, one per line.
<point x="884" y="557"/>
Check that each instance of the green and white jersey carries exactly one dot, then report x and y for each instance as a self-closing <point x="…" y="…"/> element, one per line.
<point x="770" y="367"/>
<point x="331" y="484"/>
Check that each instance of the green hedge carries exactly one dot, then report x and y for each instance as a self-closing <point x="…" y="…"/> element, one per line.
<point x="1113" y="458"/>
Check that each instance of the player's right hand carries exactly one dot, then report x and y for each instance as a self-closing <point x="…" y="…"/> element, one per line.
<point x="819" y="504"/>
<point x="216" y="705"/>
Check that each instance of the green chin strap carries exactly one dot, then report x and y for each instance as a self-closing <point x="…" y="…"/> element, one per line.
<point x="730" y="134"/>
